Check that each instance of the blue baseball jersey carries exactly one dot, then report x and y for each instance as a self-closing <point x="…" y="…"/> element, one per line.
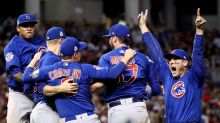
<point x="132" y="82"/>
<point x="47" y="58"/>
<point x="18" y="53"/>
<point x="68" y="106"/>
<point x="182" y="95"/>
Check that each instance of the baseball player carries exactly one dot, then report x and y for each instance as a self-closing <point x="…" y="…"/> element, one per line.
<point x="50" y="56"/>
<point x="182" y="76"/>
<point x="78" y="108"/>
<point x="18" y="53"/>
<point x="126" y="95"/>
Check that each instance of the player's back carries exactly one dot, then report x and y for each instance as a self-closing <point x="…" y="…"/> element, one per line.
<point x="79" y="103"/>
<point x="132" y="82"/>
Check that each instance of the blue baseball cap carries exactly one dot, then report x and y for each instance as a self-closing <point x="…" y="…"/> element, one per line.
<point x="55" y="33"/>
<point x="118" y="30"/>
<point x="178" y="53"/>
<point x="70" y="45"/>
<point x="26" y="18"/>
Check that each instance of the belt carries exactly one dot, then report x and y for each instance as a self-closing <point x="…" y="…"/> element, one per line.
<point x="80" y="116"/>
<point x="124" y="101"/>
<point x="16" y="89"/>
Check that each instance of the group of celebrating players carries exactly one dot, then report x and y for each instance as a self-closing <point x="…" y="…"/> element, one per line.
<point x="48" y="83"/>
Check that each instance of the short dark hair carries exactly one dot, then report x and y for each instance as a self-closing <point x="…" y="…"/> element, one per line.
<point x="126" y="41"/>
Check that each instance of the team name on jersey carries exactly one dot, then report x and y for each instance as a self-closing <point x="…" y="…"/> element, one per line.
<point x="58" y="73"/>
<point x="117" y="59"/>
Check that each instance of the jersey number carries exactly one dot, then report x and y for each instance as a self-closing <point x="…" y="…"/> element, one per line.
<point x="134" y="69"/>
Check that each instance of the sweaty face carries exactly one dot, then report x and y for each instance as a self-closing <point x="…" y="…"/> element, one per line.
<point x="26" y="31"/>
<point x="177" y="66"/>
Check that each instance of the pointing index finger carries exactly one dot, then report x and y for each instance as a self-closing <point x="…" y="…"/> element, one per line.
<point x="198" y="12"/>
<point x="146" y="12"/>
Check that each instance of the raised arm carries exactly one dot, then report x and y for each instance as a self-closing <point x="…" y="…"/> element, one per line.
<point x="152" y="45"/>
<point x="153" y="79"/>
<point x="198" y="64"/>
<point x="96" y="72"/>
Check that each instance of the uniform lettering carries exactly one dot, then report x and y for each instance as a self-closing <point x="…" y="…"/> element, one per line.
<point x="117" y="59"/>
<point x="76" y="74"/>
<point x="58" y="73"/>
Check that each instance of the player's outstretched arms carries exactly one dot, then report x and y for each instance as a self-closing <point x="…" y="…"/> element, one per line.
<point x="68" y="86"/>
<point x="198" y="48"/>
<point x="150" y="41"/>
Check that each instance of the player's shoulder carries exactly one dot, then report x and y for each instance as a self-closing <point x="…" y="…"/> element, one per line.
<point x="50" y="54"/>
<point x="12" y="44"/>
<point x="90" y="67"/>
<point x="140" y="55"/>
<point x="114" y="52"/>
<point x="143" y="57"/>
<point x="49" y="58"/>
<point x="106" y="55"/>
<point x="85" y="66"/>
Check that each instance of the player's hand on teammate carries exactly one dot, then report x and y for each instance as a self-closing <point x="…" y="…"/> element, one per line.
<point x="199" y="22"/>
<point x="69" y="86"/>
<point x="129" y="53"/>
<point x="34" y="61"/>
<point x="37" y="56"/>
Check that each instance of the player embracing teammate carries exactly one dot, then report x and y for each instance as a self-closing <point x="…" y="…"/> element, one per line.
<point x="182" y="77"/>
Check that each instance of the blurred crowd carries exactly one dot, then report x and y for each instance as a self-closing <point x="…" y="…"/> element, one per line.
<point x="92" y="33"/>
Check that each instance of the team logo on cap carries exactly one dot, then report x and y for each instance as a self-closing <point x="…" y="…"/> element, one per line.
<point x="178" y="89"/>
<point x="61" y="33"/>
<point x="75" y="48"/>
<point x="9" y="56"/>
<point x="28" y="17"/>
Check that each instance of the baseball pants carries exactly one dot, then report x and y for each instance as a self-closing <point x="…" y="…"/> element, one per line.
<point x="128" y="113"/>
<point x="18" y="106"/>
<point x="43" y="113"/>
